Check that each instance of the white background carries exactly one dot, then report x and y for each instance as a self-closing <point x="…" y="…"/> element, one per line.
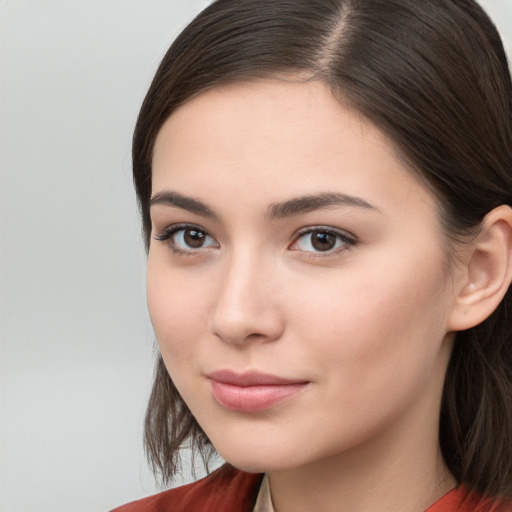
<point x="76" y="346"/>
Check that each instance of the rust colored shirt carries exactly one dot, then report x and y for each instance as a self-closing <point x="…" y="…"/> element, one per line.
<point x="231" y="490"/>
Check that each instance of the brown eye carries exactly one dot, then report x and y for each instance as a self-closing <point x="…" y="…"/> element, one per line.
<point x="187" y="239"/>
<point x="323" y="241"/>
<point x="194" y="238"/>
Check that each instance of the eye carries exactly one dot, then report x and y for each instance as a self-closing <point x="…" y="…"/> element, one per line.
<point x="322" y="240"/>
<point x="186" y="238"/>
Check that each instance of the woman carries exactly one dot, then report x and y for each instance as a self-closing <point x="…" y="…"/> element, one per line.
<point x="325" y="190"/>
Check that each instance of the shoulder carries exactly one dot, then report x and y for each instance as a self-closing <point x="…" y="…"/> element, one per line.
<point x="461" y="499"/>
<point x="226" y="488"/>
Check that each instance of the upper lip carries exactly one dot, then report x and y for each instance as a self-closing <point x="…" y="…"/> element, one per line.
<point x="251" y="378"/>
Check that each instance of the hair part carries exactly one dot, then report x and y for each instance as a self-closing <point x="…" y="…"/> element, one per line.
<point x="431" y="75"/>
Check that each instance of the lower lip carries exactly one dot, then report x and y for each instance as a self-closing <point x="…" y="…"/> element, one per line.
<point x="252" y="398"/>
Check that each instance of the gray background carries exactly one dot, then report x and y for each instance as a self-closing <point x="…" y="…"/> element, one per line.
<point x="76" y="346"/>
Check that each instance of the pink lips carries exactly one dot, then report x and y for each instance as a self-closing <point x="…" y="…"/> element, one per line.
<point x="251" y="391"/>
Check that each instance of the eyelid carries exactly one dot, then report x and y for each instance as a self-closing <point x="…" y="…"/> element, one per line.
<point x="328" y="229"/>
<point x="168" y="231"/>
<point x="173" y="228"/>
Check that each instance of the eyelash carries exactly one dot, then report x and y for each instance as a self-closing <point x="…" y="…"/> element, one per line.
<point x="347" y="241"/>
<point x="167" y="236"/>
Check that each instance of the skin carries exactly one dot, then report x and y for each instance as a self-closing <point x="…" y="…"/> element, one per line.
<point x="366" y="324"/>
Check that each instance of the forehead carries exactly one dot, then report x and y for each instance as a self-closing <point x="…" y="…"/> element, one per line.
<point x="255" y="112"/>
<point x="279" y="138"/>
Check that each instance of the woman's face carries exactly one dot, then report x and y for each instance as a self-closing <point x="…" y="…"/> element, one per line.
<point x="297" y="279"/>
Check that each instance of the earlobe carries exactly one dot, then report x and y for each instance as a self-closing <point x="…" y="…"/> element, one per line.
<point x="487" y="271"/>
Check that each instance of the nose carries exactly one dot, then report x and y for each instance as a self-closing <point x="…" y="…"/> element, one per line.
<point x="247" y="307"/>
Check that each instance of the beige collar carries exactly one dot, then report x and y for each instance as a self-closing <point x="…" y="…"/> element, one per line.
<point x="264" y="500"/>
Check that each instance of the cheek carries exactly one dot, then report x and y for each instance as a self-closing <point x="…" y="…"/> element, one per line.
<point x="374" y="342"/>
<point x="177" y="310"/>
<point x="375" y="317"/>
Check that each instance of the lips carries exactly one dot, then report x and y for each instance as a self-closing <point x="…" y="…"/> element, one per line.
<point x="252" y="391"/>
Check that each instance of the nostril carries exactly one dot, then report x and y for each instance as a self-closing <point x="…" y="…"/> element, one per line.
<point x="246" y="327"/>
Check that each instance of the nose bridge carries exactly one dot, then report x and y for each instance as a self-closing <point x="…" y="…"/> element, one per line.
<point x="244" y="308"/>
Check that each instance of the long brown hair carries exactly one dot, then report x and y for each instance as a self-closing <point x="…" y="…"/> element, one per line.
<point x="434" y="77"/>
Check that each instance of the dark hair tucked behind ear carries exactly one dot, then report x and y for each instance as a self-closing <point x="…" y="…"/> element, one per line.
<point x="433" y="76"/>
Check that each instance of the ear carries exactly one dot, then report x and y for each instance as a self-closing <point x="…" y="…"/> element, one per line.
<point x="486" y="272"/>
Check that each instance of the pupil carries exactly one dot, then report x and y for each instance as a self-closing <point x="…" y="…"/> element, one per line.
<point x="323" y="241"/>
<point x="194" y="238"/>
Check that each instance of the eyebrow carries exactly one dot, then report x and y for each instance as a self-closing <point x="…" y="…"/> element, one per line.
<point x="187" y="203"/>
<point x="306" y="204"/>
<point x="295" y="206"/>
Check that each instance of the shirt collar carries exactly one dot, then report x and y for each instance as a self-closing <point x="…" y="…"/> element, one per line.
<point x="264" y="499"/>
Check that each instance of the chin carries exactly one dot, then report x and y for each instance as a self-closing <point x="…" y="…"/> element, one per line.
<point x="264" y="458"/>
